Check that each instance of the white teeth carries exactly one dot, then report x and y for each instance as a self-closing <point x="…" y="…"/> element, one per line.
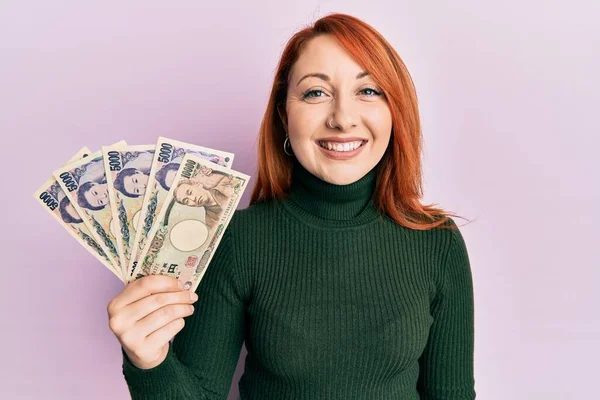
<point x="348" y="146"/>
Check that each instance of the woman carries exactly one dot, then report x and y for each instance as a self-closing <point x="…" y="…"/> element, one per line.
<point x="341" y="283"/>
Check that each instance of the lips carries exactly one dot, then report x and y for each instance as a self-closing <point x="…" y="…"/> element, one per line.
<point x="356" y="144"/>
<point x="341" y="155"/>
<point x="338" y="139"/>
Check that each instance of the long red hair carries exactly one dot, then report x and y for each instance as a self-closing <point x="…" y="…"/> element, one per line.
<point x="399" y="181"/>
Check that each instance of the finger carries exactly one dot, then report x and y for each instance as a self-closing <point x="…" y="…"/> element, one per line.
<point x="147" y="305"/>
<point x="141" y="288"/>
<point x="160" y="337"/>
<point x="129" y="315"/>
<point x="162" y="317"/>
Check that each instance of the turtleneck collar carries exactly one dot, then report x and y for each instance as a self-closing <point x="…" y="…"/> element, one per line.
<point x="325" y="204"/>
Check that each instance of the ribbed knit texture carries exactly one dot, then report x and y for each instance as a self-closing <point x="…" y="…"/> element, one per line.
<point x="334" y="301"/>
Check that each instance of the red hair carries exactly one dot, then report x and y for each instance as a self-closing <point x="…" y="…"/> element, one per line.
<point x="399" y="181"/>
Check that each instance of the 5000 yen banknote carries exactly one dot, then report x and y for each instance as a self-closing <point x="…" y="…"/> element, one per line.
<point x="84" y="182"/>
<point x="168" y="157"/>
<point x="51" y="196"/>
<point x="127" y="172"/>
<point x="188" y="229"/>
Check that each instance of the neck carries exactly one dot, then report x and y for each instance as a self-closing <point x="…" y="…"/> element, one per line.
<point x="327" y="204"/>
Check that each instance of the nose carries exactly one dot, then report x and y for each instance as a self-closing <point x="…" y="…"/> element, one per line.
<point x="345" y="115"/>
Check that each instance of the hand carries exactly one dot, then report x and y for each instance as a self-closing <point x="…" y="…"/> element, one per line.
<point x="147" y="314"/>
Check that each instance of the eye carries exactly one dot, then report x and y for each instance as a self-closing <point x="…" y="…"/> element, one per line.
<point x="137" y="191"/>
<point x="135" y="180"/>
<point x="375" y="92"/>
<point x="188" y="192"/>
<point x="95" y="193"/>
<point x="308" y="93"/>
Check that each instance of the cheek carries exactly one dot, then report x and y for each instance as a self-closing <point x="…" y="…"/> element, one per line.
<point x="379" y="121"/>
<point x="304" y="120"/>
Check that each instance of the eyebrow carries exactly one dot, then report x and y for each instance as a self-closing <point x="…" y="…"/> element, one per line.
<point x="327" y="78"/>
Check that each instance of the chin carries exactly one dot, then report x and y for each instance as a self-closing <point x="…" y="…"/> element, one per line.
<point x="345" y="180"/>
<point x="345" y="177"/>
<point x="334" y="171"/>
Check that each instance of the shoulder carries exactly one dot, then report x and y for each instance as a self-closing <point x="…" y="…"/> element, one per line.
<point x="439" y="238"/>
<point x="446" y="255"/>
<point x="255" y="218"/>
<point x="455" y="272"/>
<point x="249" y="233"/>
<point x="255" y="213"/>
<point x="436" y="246"/>
<point x="454" y="236"/>
<point x="447" y="240"/>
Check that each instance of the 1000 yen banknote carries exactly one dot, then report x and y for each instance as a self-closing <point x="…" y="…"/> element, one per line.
<point x="127" y="171"/>
<point x="190" y="225"/>
<point x="51" y="196"/>
<point x="168" y="157"/>
<point x="84" y="182"/>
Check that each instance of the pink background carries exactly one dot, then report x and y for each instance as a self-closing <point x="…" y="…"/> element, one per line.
<point x="509" y="95"/>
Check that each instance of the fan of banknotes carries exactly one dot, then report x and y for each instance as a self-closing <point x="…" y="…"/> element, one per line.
<point x="147" y="209"/>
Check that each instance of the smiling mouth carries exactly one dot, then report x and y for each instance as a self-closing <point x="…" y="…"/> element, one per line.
<point x="341" y="147"/>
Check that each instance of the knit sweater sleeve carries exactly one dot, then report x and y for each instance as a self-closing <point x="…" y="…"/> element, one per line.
<point x="446" y="364"/>
<point x="202" y="357"/>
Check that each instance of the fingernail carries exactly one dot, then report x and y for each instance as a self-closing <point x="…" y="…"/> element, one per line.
<point x="193" y="296"/>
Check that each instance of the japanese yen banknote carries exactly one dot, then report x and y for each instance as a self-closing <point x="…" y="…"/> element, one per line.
<point x="146" y="209"/>
<point x="191" y="222"/>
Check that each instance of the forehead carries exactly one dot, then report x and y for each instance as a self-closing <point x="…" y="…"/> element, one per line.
<point x="183" y="185"/>
<point x="324" y="54"/>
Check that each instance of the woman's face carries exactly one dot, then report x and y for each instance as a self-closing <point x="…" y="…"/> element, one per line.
<point x="351" y="101"/>
<point x="136" y="183"/>
<point x="97" y="195"/>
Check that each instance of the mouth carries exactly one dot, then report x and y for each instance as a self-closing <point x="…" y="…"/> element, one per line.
<point x="341" y="147"/>
<point x="341" y="150"/>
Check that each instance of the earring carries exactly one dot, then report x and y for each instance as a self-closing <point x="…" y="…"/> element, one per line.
<point x="286" y="145"/>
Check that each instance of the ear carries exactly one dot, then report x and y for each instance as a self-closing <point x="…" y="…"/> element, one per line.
<point x="282" y="116"/>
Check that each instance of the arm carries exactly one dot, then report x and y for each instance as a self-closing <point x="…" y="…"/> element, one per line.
<point x="203" y="355"/>
<point x="446" y="365"/>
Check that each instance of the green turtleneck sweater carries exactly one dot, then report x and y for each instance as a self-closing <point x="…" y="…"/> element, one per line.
<point x="333" y="301"/>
